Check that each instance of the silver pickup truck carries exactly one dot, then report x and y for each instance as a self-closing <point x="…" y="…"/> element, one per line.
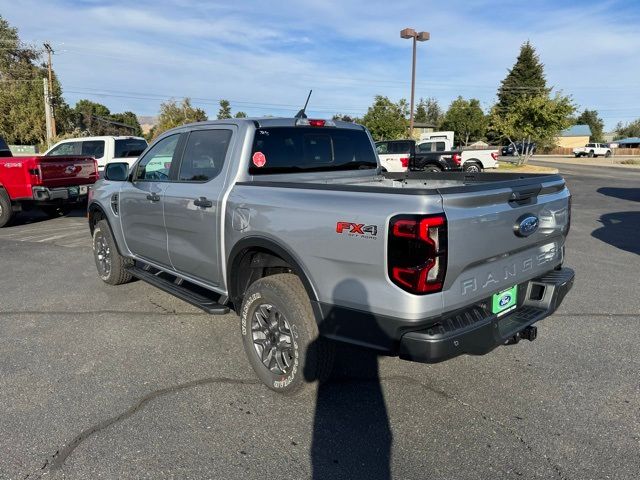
<point x="290" y="223"/>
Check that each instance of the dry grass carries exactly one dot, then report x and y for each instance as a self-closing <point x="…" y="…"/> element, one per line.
<point x="631" y="161"/>
<point x="508" y="167"/>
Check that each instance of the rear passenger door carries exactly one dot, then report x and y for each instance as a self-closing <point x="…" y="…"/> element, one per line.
<point x="192" y="204"/>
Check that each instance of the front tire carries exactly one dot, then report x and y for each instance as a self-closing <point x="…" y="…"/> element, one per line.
<point x="112" y="267"/>
<point x="591" y="155"/>
<point x="608" y="154"/>
<point x="280" y="334"/>
<point x="6" y="210"/>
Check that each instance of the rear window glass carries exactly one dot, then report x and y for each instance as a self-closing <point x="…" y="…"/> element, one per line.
<point x="310" y="149"/>
<point x="127" y="148"/>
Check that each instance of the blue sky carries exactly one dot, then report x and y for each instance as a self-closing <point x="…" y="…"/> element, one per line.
<point x="265" y="56"/>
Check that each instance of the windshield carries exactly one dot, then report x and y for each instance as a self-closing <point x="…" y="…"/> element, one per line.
<point x="130" y="147"/>
<point x="310" y="149"/>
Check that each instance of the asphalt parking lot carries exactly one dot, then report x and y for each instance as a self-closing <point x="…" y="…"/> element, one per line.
<point x="129" y="382"/>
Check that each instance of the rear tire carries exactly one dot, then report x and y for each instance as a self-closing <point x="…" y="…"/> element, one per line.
<point x="280" y="335"/>
<point x="472" y="167"/>
<point x="6" y="210"/>
<point x="432" y="169"/>
<point x="591" y="155"/>
<point x="112" y="267"/>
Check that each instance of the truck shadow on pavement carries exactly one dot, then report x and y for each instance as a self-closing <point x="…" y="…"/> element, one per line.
<point x="37" y="216"/>
<point x="620" y="229"/>
<point x="351" y="432"/>
<point x="632" y="194"/>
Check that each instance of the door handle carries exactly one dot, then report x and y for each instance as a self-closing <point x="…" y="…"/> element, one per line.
<point x="154" y="197"/>
<point x="203" y="202"/>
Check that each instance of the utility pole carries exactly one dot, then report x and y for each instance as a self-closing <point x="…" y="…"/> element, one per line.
<point x="47" y="112"/>
<point x="53" y="118"/>
<point x="417" y="37"/>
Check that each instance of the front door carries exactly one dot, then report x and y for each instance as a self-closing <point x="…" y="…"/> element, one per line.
<point x="141" y="202"/>
<point x="192" y="204"/>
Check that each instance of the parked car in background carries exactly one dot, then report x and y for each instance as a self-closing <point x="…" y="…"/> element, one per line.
<point x="104" y="149"/>
<point x="593" y="150"/>
<point x="403" y="155"/>
<point x="518" y="148"/>
<point x="4" y="149"/>
<point x="289" y="222"/>
<point x="52" y="184"/>
<point x="473" y="160"/>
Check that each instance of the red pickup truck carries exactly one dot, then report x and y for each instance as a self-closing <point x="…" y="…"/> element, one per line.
<point x="52" y="184"/>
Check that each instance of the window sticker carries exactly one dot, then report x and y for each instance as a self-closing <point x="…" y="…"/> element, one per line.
<point x="259" y="160"/>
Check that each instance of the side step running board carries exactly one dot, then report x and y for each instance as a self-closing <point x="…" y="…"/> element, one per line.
<point x="179" y="289"/>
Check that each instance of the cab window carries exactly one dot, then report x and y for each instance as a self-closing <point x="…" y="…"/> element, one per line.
<point x="155" y="165"/>
<point x="93" y="148"/>
<point x="66" y="149"/>
<point x="204" y="155"/>
<point x="382" y="148"/>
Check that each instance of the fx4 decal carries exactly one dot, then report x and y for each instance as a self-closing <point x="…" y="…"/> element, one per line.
<point x="357" y="229"/>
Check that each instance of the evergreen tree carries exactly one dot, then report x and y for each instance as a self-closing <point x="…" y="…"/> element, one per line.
<point x="429" y="111"/>
<point x="526" y="77"/>
<point x="225" y="110"/>
<point x="240" y="115"/>
<point x="591" y="118"/>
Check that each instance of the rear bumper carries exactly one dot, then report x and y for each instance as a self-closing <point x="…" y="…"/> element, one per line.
<point x="76" y="193"/>
<point x="475" y="331"/>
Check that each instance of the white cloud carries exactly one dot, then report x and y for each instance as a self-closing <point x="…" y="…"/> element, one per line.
<point x="271" y="53"/>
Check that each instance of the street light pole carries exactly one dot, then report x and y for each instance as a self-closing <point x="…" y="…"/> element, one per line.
<point x="416" y="37"/>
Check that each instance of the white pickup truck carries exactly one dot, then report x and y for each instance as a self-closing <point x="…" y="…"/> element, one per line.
<point x="104" y="149"/>
<point x="592" y="150"/>
<point x="472" y="160"/>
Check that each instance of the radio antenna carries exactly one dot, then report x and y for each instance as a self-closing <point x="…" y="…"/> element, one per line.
<point x="301" y="113"/>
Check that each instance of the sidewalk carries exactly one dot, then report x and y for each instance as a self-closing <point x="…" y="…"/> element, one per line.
<point x="591" y="162"/>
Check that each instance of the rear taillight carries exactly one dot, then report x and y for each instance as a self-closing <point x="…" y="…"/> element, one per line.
<point x="404" y="161"/>
<point x="457" y="159"/>
<point x="494" y="155"/>
<point x="417" y="252"/>
<point x="568" y="227"/>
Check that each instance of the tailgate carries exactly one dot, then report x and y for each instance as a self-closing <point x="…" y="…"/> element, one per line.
<point x="486" y="253"/>
<point x="67" y="171"/>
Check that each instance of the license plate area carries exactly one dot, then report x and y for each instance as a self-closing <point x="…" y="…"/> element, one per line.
<point x="504" y="301"/>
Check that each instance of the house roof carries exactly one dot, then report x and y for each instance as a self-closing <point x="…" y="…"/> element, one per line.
<point x="628" y="140"/>
<point x="577" y="131"/>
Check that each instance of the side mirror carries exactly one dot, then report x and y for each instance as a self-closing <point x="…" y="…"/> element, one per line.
<point x="117" y="171"/>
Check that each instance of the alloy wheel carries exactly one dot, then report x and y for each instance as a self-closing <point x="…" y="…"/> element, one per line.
<point x="103" y="255"/>
<point x="272" y="339"/>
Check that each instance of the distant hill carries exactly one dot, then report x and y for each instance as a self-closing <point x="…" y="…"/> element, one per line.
<point x="147" y="122"/>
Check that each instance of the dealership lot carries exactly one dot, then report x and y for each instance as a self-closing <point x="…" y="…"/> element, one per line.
<point x="130" y="382"/>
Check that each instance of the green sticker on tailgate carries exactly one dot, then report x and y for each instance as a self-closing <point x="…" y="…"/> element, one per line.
<point x="505" y="300"/>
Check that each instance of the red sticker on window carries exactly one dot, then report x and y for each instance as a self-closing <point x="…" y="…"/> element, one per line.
<point x="259" y="160"/>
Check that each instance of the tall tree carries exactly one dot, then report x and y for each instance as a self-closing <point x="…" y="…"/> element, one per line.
<point x="429" y="111"/>
<point x="22" y="119"/>
<point x="386" y="120"/>
<point x="591" y="118"/>
<point x="526" y="77"/>
<point x="128" y="118"/>
<point x="225" y="110"/>
<point x="625" y="130"/>
<point x="538" y="119"/>
<point x="466" y="119"/>
<point x="173" y="115"/>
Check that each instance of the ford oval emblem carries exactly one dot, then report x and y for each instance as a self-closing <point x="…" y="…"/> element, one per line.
<point x="526" y="225"/>
<point x="505" y="300"/>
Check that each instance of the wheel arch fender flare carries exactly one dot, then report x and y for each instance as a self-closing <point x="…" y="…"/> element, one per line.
<point x="248" y="244"/>
<point x="477" y="161"/>
<point x="91" y="211"/>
